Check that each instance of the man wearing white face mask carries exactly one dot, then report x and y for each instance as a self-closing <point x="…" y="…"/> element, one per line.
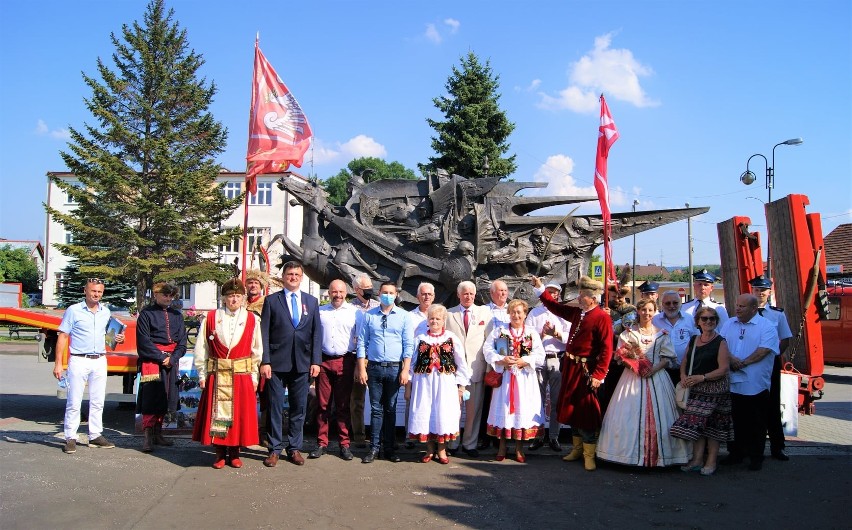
<point x="385" y="346"/>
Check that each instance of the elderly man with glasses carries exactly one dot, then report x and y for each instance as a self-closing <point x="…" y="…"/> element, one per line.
<point x="385" y="346"/>
<point x="680" y="327"/>
<point x="82" y="333"/>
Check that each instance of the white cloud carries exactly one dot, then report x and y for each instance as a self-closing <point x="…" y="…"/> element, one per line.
<point x="453" y="24"/>
<point x="342" y="153"/>
<point x="432" y="34"/>
<point x="42" y="129"/>
<point x="615" y="72"/>
<point x="534" y="84"/>
<point x="556" y="172"/>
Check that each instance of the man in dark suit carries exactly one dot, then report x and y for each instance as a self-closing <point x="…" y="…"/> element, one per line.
<point x="292" y="353"/>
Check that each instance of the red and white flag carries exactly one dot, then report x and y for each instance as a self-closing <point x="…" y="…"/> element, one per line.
<point x="607" y="135"/>
<point x="279" y="133"/>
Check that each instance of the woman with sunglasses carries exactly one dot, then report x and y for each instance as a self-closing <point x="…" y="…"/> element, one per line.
<point x="636" y="425"/>
<point x="707" y="419"/>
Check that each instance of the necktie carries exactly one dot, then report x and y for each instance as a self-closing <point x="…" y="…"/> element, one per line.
<point x="466" y="319"/>
<point x="294" y="309"/>
<point x="760" y="310"/>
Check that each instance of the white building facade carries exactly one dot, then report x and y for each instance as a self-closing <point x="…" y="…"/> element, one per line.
<point x="270" y="214"/>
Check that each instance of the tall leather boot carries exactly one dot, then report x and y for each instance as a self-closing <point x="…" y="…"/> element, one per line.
<point x="234" y="457"/>
<point x="589" y="456"/>
<point x="576" y="450"/>
<point x="219" y="463"/>
<point x="159" y="439"/>
<point x="147" y="440"/>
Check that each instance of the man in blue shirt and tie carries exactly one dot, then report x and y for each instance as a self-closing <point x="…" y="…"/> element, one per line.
<point x="385" y="346"/>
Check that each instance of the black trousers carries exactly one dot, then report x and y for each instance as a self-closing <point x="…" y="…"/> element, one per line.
<point x="749" y="415"/>
<point x="773" y="410"/>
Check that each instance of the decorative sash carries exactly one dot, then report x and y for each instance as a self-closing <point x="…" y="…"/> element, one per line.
<point x="151" y="369"/>
<point x="225" y="368"/>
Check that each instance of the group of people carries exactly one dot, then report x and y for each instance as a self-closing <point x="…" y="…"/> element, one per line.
<point x="498" y="362"/>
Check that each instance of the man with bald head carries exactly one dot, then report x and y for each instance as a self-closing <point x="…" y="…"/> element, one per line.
<point x="337" y="370"/>
<point x="753" y="344"/>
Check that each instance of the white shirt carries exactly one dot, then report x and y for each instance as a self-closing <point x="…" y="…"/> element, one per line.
<point x="777" y="317"/>
<point x="338" y="328"/>
<point x="500" y="315"/>
<point x="680" y="332"/>
<point x="418" y="319"/>
<point x="536" y="319"/>
<point x="690" y="307"/>
<point x="289" y="301"/>
<point x="229" y="328"/>
<point x="743" y="338"/>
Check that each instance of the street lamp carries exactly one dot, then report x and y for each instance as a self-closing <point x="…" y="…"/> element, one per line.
<point x="749" y="178"/>
<point x="689" y="238"/>
<point x="633" y="270"/>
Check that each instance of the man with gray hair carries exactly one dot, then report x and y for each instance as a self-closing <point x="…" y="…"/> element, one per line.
<point x="472" y="324"/>
<point x="426" y="297"/>
<point x="679" y="325"/>
<point x="363" y="301"/>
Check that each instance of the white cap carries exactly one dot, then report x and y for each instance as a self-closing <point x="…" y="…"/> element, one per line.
<point x="555" y="286"/>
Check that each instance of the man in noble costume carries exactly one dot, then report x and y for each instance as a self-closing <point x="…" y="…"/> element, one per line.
<point x="334" y="382"/>
<point x="256" y="284"/>
<point x="227" y="355"/>
<point x="584" y="366"/>
<point x="292" y="353"/>
<point x="161" y="343"/>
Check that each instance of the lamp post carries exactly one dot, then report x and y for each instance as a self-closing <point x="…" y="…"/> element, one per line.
<point x="749" y="178"/>
<point x="633" y="269"/>
<point x="689" y="240"/>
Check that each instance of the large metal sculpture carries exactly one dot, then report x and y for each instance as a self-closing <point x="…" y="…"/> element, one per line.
<point x="446" y="229"/>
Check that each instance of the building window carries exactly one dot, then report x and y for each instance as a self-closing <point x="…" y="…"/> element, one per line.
<point x="58" y="284"/>
<point x="232" y="190"/>
<point x="263" y="197"/>
<point x="68" y="198"/>
<point x="231" y="248"/>
<point x="185" y="291"/>
<point x="69" y="238"/>
<point x="257" y="236"/>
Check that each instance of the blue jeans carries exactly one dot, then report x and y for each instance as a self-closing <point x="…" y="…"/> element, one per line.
<point x="383" y="383"/>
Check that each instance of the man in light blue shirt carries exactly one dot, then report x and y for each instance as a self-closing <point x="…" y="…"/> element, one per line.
<point x="82" y="333"/>
<point x="385" y="346"/>
<point x="679" y="325"/>
<point x="753" y="344"/>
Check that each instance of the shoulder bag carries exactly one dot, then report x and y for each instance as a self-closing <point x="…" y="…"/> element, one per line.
<point x="682" y="392"/>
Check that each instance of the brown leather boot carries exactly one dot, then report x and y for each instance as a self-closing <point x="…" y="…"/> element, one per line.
<point x="159" y="439"/>
<point x="576" y="450"/>
<point x="147" y="440"/>
<point x="589" y="456"/>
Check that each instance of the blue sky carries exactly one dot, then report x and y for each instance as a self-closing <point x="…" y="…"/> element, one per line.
<point x="695" y="88"/>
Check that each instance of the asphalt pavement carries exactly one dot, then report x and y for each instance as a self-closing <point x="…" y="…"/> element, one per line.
<point x="41" y="487"/>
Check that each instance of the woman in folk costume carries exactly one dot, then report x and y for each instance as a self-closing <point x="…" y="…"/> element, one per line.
<point x="516" y="352"/>
<point x="439" y="375"/>
<point x="636" y="425"/>
<point x="227" y="356"/>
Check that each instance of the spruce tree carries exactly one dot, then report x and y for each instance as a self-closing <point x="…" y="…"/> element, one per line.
<point x="148" y="206"/>
<point x="474" y="127"/>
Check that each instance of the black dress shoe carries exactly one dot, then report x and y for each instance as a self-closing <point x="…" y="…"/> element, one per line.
<point x="483" y="444"/>
<point x="318" y="452"/>
<point x="536" y="444"/>
<point x="473" y="453"/>
<point x="731" y="460"/>
<point x="369" y="457"/>
<point x="452" y="452"/>
<point x="780" y="455"/>
<point x="345" y="453"/>
<point x="393" y="457"/>
<point x="554" y="445"/>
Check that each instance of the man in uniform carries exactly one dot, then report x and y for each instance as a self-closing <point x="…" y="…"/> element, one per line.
<point x="702" y="284"/>
<point x="161" y="343"/>
<point x="752" y="342"/>
<point x="761" y="287"/>
<point x="82" y="333"/>
<point x="554" y="333"/>
<point x="649" y="290"/>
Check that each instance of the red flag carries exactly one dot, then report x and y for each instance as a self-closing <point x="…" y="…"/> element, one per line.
<point x="279" y="133"/>
<point x="607" y="135"/>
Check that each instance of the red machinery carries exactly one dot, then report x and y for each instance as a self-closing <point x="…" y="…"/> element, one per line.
<point x="798" y="273"/>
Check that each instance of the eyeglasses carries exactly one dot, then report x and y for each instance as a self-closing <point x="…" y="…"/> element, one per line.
<point x="671" y="303"/>
<point x="95" y="280"/>
<point x="384" y="321"/>
<point x="427" y="294"/>
<point x="707" y="319"/>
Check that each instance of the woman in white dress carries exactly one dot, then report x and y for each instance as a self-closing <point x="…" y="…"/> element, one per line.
<point x="636" y="426"/>
<point x="439" y="375"/>
<point x="516" y="352"/>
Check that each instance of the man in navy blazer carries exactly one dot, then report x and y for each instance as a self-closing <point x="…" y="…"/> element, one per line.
<point x="292" y="353"/>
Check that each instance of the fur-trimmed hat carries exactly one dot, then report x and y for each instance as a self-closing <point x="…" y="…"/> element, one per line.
<point x="623" y="291"/>
<point x="233" y="286"/>
<point x="589" y="284"/>
<point x="164" y="288"/>
<point x="259" y="276"/>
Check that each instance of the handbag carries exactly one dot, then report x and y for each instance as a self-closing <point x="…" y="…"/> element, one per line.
<point x="682" y="392"/>
<point x="493" y="379"/>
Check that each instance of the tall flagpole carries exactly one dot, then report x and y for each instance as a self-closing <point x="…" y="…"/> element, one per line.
<point x="245" y="199"/>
